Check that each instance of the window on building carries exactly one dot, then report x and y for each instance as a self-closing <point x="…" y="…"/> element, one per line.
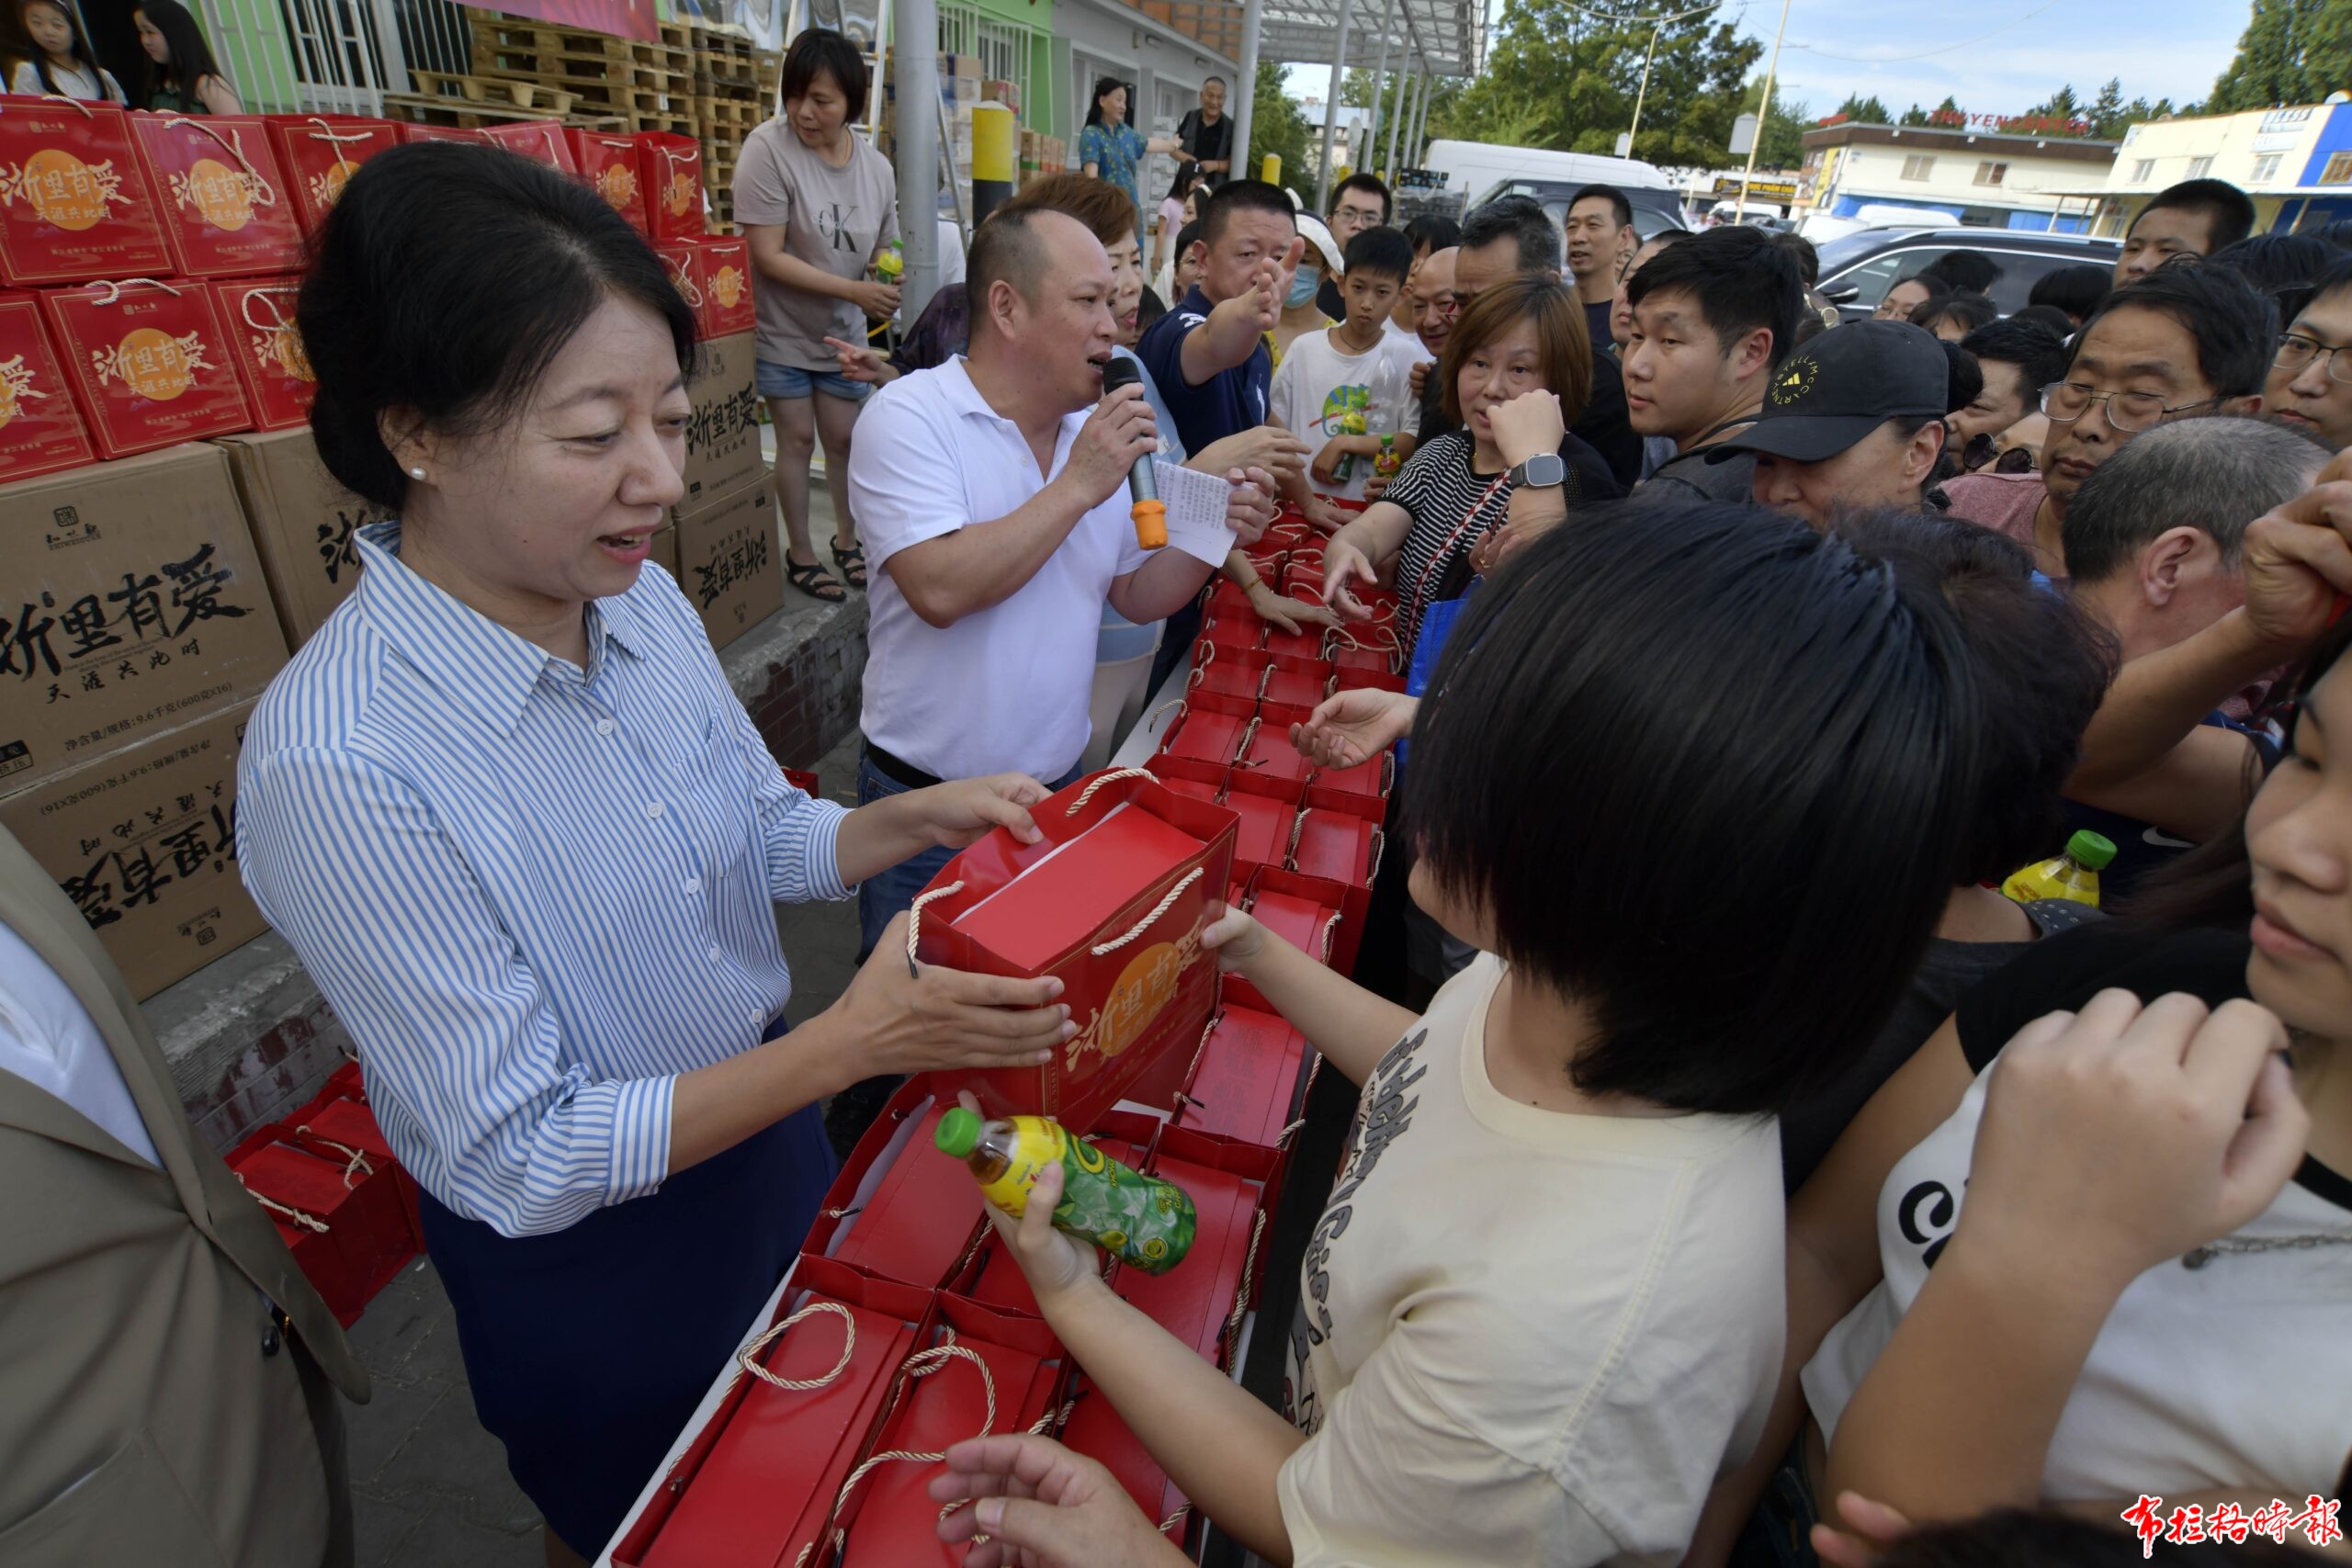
<point x="2199" y="167"/>
<point x="2266" y="169"/>
<point x="2142" y="171"/>
<point x="2338" y="170"/>
<point x="1917" y="168"/>
<point x="1990" y="174"/>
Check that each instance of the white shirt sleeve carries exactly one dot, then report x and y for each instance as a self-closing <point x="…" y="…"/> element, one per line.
<point x="903" y="484"/>
<point x="1284" y="391"/>
<point x="1398" y="1475"/>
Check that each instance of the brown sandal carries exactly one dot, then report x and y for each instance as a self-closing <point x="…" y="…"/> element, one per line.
<point x="813" y="580"/>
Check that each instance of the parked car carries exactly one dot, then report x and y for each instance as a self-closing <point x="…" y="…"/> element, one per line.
<point x="1655" y="206"/>
<point x="1857" y="269"/>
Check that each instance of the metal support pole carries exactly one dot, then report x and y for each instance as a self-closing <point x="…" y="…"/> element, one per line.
<point x="1635" y="129"/>
<point x="1397" y="122"/>
<point x="1763" y="117"/>
<point x="1364" y="158"/>
<point x="1331" y="110"/>
<point x="1413" y="144"/>
<point x="916" y="65"/>
<point x="1244" y="90"/>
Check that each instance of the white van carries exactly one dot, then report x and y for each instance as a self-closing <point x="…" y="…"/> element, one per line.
<point x="1471" y="168"/>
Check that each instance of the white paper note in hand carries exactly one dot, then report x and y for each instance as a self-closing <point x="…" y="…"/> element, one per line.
<point x="1196" y="504"/>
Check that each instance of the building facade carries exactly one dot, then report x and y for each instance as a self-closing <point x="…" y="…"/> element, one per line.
<point x="1987" y="179"/>
<point x="2295" y="162"/>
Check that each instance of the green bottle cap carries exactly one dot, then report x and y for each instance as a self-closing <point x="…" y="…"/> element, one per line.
<point x="2094" y="850"/>
<point x="958" y="1132"/>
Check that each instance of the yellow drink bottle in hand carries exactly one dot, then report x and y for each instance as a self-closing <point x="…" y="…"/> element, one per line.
<point x="1146" y="1223"/>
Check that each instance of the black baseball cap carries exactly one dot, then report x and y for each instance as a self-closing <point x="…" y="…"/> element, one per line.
<point x="1841" y="386"/>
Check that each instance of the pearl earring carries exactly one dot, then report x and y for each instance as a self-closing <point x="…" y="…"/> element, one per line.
<point x="416" y="473"/>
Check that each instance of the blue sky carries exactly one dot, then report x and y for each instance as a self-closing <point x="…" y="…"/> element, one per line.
<point x="2010" y="55"/>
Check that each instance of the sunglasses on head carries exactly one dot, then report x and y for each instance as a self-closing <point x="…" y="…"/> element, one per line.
<point x="1979" y="451"/>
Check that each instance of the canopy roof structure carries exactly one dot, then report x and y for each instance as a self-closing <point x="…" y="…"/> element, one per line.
<point x="1439" y="38"/>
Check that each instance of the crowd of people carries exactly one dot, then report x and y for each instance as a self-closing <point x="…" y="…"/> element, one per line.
<point x="1739" y="1176"/>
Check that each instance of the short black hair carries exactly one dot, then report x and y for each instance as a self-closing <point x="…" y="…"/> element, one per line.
<point x="191" y="57"/>
<point x="1621" y="209"/>
<point x="1149" y="308"/>
<point x="1971" y="310"/>
<point x="1379" y="251"/>
<point x="1823" y="739"/>
<point x="2283" y="266"/>
<point x="1184" y="238"/>
<point x="2042" y="667"/>
<point x="1006" y="248"/>
<point x="446" y="280"/>
<point x="2215" y="475"/>
<point x="2036" y="352"/>
<point x="1372" y="185"/>
<point x="821" y="52"/>
<point x="2050" y="317"/>
<point x="1242" y="196"/>
<point x="2336" y="279"/>
<point x="1206" y="80"/>
<point x="2235" y="329"/>
<point x="1964" y="378"/>
<point x="1739" y="278"/>
<point x="2229" y="211"/>
<point x="1807" y="255"/>
<point x="1523" y="220"/>
<point x="1433" y="230"/>
<point x="1964" y="272"/>
<point x="2337" y="233"/>
<point x="2073" y="289"/>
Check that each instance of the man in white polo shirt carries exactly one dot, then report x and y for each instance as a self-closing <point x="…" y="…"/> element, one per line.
<point x="992" y="497"/>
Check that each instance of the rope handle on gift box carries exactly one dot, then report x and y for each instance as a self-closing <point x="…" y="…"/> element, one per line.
<point x="921" y="1364"/>
<point x="1342" y="637"/>
<point x="914" y="917"/>
<point x="1232" y="1333"/>
<point x="335" y="138"/>
<point x="1297" y="831"/>
<point x="1180" y="705"/>
<point x="358" y="1165"/>
<point x="685" y="285"/>
<point x="114" y="289"/>
<point x="1103" y="950"/>
<point x="1088" y="793"/>
<point x="261" y="194"/>
<point x="1265" y="677"/>
<point x="308" y="1221"/>
<point x="1248" y="736"/>
<point x="1324" y="946"/>
<point x="1199" y="1051"/>
<point x="747" y="1358"/>
<point x="1379" y="847"/>
<point x="76" y="103"/>
<point x="284" y="324"/>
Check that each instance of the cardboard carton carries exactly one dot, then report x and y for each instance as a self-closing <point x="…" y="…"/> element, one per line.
<point x="303" y="520"/>
<point x="131" y="603"/>
<point x="730" y="563"/>
<point x="144" y="842"/>
<point x="723" y="437"/>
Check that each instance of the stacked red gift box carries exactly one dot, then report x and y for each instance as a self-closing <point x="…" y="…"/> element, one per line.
<point x="343" y="1205"/>
<point x="903" y="1293"/>
<point x="150" y="262"/>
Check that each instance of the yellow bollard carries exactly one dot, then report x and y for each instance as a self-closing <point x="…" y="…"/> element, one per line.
<point x="1270" y="171"/>
<point x="996" y="141"/>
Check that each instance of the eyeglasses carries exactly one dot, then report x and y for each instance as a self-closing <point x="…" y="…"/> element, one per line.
<point x="2067" y="402"/>
<point x="2295" y="350"/>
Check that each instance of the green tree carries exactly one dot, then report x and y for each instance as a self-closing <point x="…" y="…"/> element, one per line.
<point x="1278" y="125"/>
<point x="1914" y="115"/>
<point x="1861" y="111"/>
<point x="2293" y="52"/>
<point x="2106" y="112"/>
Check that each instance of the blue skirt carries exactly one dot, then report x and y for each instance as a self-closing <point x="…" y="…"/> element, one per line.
<point x="588" y="1349"/>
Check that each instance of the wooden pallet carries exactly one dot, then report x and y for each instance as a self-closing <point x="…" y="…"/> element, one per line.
<point x="465" y="114"/>
<point x="513" y="46"/>
<point x="625" y="92"/>
<point x="728" y="119"/>
<point x="536" y="97"/>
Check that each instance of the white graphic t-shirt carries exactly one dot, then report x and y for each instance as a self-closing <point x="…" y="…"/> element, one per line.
<point x="1525" y="1337"/>
<point x="1320" y="392"/>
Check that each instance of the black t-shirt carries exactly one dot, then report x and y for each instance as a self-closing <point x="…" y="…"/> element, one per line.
<point x="2064" y="972"/>
<point x="1596" y="325"/>
<point x="1207" y="143"/>
<point x="2140" y="847"/>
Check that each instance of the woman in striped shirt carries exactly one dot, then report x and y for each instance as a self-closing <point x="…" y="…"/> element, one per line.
<point x="510" y="814"/>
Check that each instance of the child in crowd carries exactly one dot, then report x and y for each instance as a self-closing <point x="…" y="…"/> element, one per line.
<point x="65" y="65"/>
<point x="1540" y="1314"/>
<point x="1347" y="389"/>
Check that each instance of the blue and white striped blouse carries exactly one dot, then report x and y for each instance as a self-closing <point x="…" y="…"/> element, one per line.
<point x="533" y="895"/>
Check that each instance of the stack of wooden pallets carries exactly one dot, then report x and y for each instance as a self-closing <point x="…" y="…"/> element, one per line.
<point x="735" y="88"/>
<point x="647" y="86"/>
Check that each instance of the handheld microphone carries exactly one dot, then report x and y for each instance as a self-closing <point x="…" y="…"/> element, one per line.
<point x="1151" y="514"/>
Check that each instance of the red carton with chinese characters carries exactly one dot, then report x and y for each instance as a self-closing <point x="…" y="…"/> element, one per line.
<point x="41" y="428"/>
<point x="258" y="313"/>
<point x="150" y="363"/>
<point x="221" y="193"/>
<point x="320" y="152"/>
<point x="609" y="163"/>
<point x="669" y="167"/>
<point x="74" y="202"/>
<point x="1111" y="903"/>
<point x="757" y="1483"/>
<point x="542" y="141"/>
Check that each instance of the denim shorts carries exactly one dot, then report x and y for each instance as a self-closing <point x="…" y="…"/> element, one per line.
<point x="790" y="381"/>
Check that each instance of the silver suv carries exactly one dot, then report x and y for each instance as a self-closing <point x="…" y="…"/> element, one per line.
<point x="1857" y="269"/>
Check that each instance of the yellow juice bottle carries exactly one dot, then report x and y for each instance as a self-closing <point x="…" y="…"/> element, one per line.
<point x="1146" y="1221"/>
<point x="2073" y="875"/>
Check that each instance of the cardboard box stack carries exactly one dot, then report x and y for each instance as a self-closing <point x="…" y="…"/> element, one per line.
<point x="959" y="90"/>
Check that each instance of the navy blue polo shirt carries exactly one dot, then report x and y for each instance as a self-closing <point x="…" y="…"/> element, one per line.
<point x="1226" y="403"/>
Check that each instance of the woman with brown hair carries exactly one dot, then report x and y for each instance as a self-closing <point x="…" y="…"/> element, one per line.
<point x="1517" y="371"/>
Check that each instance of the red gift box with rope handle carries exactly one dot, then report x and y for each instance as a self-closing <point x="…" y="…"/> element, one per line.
<point x="343" y="1219"/>
<point x="753" y="1488"/>
<point x="220" y="194"/>
<point x="1365" y="653"/>
<point x="541" y="141"/>
<point x="1309" y="915"/>
<point x="1249" y="1081"/>
<point x="75" y="200"/>
<point x="898" y="1208"/>
<point x="149" y="362"/>
<point x="670" y="168"/>
<point x="41" y="422"/>
<point x="410" y="132"/>
<point x="609" y="162"/>
<point x="1111" y="903"/>
<point x="347" y="1130"/>
<point x="320" y="152"/>
<point x="258" y="314"/>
